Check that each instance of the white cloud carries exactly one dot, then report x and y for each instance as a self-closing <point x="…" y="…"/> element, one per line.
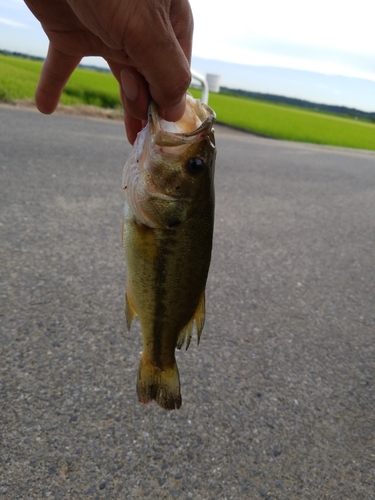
<point x="333" y="23"/>
<point x="342" y="64"/>
<point x="12" y="23"/>
<point x="328" y="36"/>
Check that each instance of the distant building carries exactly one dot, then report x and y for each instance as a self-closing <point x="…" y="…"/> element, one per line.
<point x="213" y="82"/>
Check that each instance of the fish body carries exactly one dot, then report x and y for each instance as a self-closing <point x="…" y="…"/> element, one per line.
<point x="167" y="239"/>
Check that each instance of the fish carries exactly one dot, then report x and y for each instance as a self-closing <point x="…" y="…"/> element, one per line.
<point x="167" y="239"/>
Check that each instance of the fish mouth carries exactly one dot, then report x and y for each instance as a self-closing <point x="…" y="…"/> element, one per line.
<point x="196" y="124"/>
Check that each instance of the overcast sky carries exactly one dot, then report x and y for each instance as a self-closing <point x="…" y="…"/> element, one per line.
<point x="326" y="36"/>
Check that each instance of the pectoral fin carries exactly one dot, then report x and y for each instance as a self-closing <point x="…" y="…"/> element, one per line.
<point x="198" y="318"/>
<point x="130" y="313"/>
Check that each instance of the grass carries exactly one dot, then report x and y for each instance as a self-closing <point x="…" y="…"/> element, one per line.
<point x="19" y="77"/>
<point x="292" y="123"/>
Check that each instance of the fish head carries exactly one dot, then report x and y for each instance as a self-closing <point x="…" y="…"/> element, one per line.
<point x="170" y="174"/>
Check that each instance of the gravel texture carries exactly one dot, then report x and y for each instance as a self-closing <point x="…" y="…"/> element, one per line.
<point x="278" y="399"/>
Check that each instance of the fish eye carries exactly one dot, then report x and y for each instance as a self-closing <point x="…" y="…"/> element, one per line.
<point x="195" y="166"/>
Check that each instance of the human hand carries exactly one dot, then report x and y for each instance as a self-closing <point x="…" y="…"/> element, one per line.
<point x="146" y="43"/>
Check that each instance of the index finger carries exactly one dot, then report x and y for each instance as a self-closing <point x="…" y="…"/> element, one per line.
<point x="56" y="71"/>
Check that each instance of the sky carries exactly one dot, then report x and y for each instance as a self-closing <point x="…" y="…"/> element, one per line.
<point x="332" y="37"/>
<point x="327" y="36"/>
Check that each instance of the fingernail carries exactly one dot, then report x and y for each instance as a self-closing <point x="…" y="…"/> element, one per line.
<point x="129" y="85"/>
<point x="175" y="113"/>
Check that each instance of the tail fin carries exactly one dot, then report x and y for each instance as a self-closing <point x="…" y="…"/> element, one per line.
<point x="161" y="385"/>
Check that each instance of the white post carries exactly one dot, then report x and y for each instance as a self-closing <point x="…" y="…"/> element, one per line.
<point x="204" y="83"/>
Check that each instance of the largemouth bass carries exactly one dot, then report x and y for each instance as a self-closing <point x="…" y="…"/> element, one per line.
<point x="167" y="237"/>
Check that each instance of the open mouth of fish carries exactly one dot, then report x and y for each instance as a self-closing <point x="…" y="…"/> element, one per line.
<point x="195" y="125"/>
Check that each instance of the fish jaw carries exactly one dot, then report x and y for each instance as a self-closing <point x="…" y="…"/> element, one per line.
<point x="196" y="123"/>
<point x="146" y="199"/>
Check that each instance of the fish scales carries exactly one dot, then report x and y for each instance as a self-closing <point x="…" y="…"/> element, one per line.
<point x="167" y="238"/>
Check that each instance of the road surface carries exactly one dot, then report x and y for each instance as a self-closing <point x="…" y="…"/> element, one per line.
<point x="278" y="399"/>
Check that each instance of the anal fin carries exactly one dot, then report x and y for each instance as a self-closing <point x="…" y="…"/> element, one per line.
<point x="185" y="334"/>
<point x="198" y="318"/>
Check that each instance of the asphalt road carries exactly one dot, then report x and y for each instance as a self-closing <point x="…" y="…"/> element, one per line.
<point x="278" y="399"/>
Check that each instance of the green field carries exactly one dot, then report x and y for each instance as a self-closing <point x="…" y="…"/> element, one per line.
<point x="292" y="123"/>
<point x="18" y="79"/>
